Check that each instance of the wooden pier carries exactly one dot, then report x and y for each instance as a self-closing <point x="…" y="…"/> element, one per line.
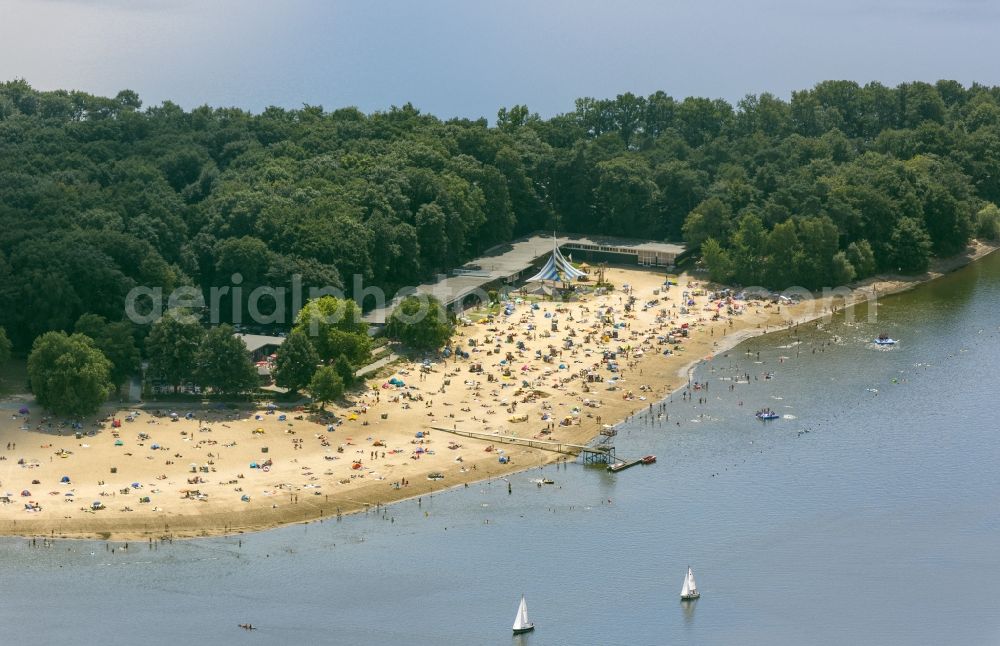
<point x="621" y="466"/>
<point x="591" y="454"/>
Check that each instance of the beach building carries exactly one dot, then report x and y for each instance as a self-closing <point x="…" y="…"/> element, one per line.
<point x="510" y="263"/>
<point x="260" y="346"/>
<point x="262" y="349"/>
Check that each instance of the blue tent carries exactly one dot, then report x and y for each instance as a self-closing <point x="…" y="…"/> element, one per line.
<point x="64" y="479"/>
<point x="557" y="268"/>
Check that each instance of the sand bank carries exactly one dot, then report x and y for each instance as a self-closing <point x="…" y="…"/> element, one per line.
<point x="539" y="372"/>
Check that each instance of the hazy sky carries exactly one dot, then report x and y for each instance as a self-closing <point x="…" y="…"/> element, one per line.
<point x="468" y="57"/>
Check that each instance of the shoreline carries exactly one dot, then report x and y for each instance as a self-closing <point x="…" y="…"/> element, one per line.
<point x="220" y="520"/>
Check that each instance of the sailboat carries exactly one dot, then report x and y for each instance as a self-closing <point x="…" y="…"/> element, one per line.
<point x="521" y="623"/>
<point x="689" y="590"/>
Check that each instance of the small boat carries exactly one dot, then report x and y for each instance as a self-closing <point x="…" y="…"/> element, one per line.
<point x="521" y="623"/>
<point x="767" y="414"/>
<point x="884" y="339"/>
<point x="547" y="481"/>
<point x="649" y="459"/>
<point x="689" y="591"/>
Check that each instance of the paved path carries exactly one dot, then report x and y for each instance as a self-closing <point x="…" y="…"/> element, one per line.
<point x="375" y="365"/>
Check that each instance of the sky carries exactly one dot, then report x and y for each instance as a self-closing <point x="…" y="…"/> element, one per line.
<point x="467" y="58"/>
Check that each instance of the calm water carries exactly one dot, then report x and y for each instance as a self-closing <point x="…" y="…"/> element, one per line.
<point x="881" y="525"/>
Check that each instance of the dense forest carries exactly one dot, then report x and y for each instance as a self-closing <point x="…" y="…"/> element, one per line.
<point x="98" y="195"/>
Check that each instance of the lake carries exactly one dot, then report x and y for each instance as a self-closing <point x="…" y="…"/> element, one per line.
<point x="867" y="514"/>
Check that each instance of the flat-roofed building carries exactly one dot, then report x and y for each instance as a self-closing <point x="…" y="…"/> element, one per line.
<point x="509" y="263"/>
<point x="260" y="346"/>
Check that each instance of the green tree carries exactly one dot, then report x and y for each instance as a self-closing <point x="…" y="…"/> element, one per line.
<point x="624" y="195"/>
<point x="813" y="264"/>
<point x="223" y="364"/>
<point x="335" y="327"/>
<point x="843" y="271"/>
<point x="68" y="374"/>
<point x="748" y="250"/>
<point x="171" y="347"/>
<point x="783" y="247"/>
<point x="326" y="386"/>
<point x="117" y="343"/>
<point x="862" y="258"/>
<point x="720" y="265"/>
<point x="911" y="246"/>
<point x="710" y="219"/>
<point x="296" y="363"/>
<point x="346" y="371"/>
<point x="421" y="322"/>
<point x="681" y="189"/>
<point x="988" y="222"/>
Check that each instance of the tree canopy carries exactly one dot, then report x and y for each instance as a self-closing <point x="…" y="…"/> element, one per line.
<point x="68" y="374"/>
<point x="326" y="385"/>
<point x="115" y="341"/>
<point x="296" y="362"/>
<point x="172" y="346"/>
<point x="420" y="322"/>
<point x="335" y="328"/>
<point x="99" y="195"/>
<point x="222" y="362"/>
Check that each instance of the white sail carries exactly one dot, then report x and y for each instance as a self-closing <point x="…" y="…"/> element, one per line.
<point x="521" y="620"/>
<point x="690" y="588"/>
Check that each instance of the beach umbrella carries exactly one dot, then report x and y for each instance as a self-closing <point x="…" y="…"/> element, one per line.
<point x="136" y="485"/>
<point x="25" y="493"/>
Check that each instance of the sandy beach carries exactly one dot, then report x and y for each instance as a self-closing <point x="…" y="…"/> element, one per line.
<point x="544" y="371"/>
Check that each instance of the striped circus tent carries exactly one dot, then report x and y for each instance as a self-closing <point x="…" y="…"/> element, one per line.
<point x="557" y="268"/>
